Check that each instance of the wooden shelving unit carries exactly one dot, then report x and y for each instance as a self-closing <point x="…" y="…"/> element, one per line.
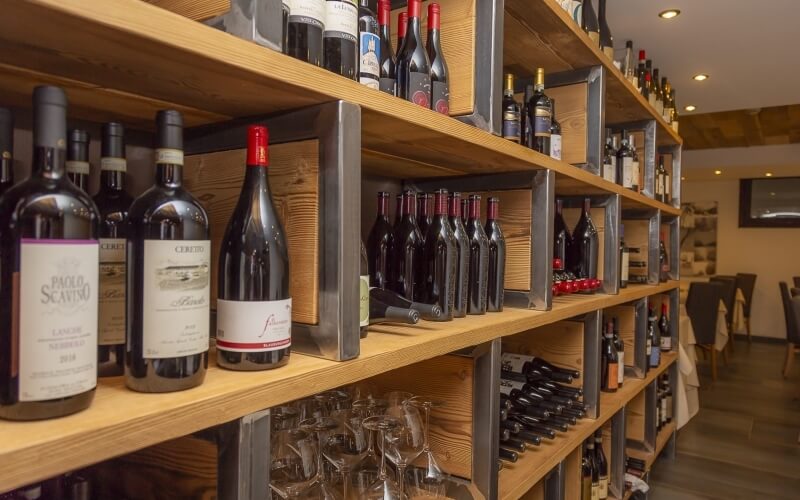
<point x="516" y="479"/>
<point x="661" y="441"/>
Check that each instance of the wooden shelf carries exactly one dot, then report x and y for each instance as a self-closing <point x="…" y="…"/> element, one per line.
<point x="517" y="478"/>
<point x="649" y="457"/>
<point x="542" y="34"/>
<point x="121" y="421"/>
<point x="124" y="59"/>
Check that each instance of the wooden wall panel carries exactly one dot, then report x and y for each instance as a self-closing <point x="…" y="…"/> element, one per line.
<point x="571" y="110"/>
<point x="626" y="323"/>
<point x="572" y="470"/>
<point x="216" y="180"/>
<point x="634" y="418"/>
<point x="637" y="239"/>
<point x="450" y="379"/>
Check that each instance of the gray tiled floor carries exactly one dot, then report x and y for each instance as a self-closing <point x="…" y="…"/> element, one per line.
<point x="743" y="443"/>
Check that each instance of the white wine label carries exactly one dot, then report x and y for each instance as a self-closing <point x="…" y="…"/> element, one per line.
<point x="307" y="12"/>
<point x="254" y="326"/>
<point x="176" y="297"/>
<point x="666" y="343"/>
<point x="660" y="185"/>
<point x="57" y="318"/>
<point x="595" y="491"/>
<point x="78" y="167"/>
<point x="341" y="19"/>
<point x="113" y="164"/>
<point x="514" y="362"/>
<point x="506" y="386"/>
<point x="169" y="156"/>
<point x="112" y="291"/>
<point x="667" y="197"/>
<point x="370" y="66"/>
<point x="555" y="146"/>
<point x="363" y="299"/>
<point x="627" y="171"/>
<point x="603" y="487"/>
<point x="621" y="371"/>
<point x="626" y="264"/>
<point x="635" y="173"/>
<point x="652" y="99"/>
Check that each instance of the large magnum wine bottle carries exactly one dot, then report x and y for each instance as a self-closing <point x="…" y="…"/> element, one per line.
<point x="169" y="270"/>
<point x="585" y="246"/>
<point x="113" y="204"/>
<point x="306" y="24"/>
<point x="254" y="307"/>
<point x="48" y="274"/>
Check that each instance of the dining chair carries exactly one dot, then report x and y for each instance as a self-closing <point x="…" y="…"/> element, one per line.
<point x="747" y="284"/>
<point x="729" y="299"/>
<point x="791" y="313"/>
<point x="702" y="307"/>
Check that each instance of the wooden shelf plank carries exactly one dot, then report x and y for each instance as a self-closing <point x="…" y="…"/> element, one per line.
<point x="649" y="457"/>
<point x="121" y="421"/>
<point x="542" y="34"/>
<point x="137" y="57"/>
<point x="516" y="479"/>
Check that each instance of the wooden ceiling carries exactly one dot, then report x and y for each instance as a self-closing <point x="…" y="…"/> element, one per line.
<point x="741" y="128"/>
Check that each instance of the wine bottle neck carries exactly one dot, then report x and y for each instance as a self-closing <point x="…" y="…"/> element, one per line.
<point x="48" y="162"/>
<point x="169" y="175"/>
<point x="112" y="180"/>
<point x="6" y="170"/>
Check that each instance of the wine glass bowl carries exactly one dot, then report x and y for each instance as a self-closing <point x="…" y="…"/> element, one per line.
<point x="293" y="468"/>
<point x="397" y="398"/>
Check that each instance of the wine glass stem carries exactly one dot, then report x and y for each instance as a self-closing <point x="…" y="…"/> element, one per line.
<point x="401" y="480"/>
<point x="345" y="483"/>
<point x="383" y="455"/>
<point x="426" y="447"/>
<point x="320" y="460"/>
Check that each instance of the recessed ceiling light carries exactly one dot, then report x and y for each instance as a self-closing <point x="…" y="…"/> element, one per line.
<point x="768" y="174"/>
<point x="718" y="172"/>
<point x="700" y="77"/>
<point x="669" y="14"/>
<point x="690" y="107"/>
<point x="772" y="193"/>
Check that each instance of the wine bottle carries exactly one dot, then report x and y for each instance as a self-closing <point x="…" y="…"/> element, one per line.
<point x="112" y="203"/>
<point x="369" y="46"/>
<point x="381" y="312"/>
<point x="49" y="259"/>
<point x="585" y="246"/>
<point x="430" y="312"/>
<point x="663" y="260"/>
<point x="586" y="476"/>
<point x="625" y="164"/>
<point x="340" y="38"/>
<point x="514" y="444"/>
<point x="440" y="76"/>
<point x="653" y="338"/>
<point x="555" y="134"/>
<point x="540" y="112"/>
<point x="668" y="104"/>
<point x="667" y="188"/>
<point x="424" y="218"/>
<point x="606" y="39"/>
<point x="254" y="306"/>
<point x="398" y="210"/>
<point x="663" y="327"/>
<point x="169" y="264"/>
<point x="406" y="253"/>
<point x="589" y="22"/>
<point x="305" y="30"/>
<point x="464" y="210"/>
<point x="478" y="258"/>
<point x="379" y="242"/>
<point x="609" y="380"/>
<point x="525" y="127"/>
<point x="628" y="67"/>
<point x="620" y="345"/>
<point x="600" y="458"/>
<point x="648" y="76"/>
<point x="285" y="9"/>
<point x="462" y="256"/>
<point x="413" y="65"/>
<point x="675" y="120"/>
<point x="624" y="259"/>
<point x="636" y="172"/>
<point x="363" y="292"/>
<point x="609" y="172"/>
<point x="522" y="363"/>
<point x="441" y="259"/>
<point x="78" y="158"/>
<point x="497" y="256"/>
<point x="6" y="150"/>
<point x="402" y="26"/>
<point x="640" y="72"/>
<point x="659" y="93"/>
<point x="388" y="70"/>
<point x="661" y="173"/>
<point x="562" y="237"/>
<point x="507" y="455"/>
<point x="590" y="454"/>
<point x="511" y="111"/>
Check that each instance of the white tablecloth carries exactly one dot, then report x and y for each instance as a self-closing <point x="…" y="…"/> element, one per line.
<point x="687" y="402"/>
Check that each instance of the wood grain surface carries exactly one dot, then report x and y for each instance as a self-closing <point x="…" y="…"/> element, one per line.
<point x="571" y="112"/>
<point x="197" y="10"/>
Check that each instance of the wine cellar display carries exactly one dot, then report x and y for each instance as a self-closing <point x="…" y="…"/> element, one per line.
<point x="505" y="314"/>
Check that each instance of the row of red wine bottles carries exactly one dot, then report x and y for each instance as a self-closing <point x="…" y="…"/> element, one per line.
<point x="445" y="257"/>
<point x="107" y="285"/>
<point x="352" y="41"/>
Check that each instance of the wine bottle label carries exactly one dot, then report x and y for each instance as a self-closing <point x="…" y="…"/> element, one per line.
<point x="610" y="171"/>
<point x="57" y="335"/>
<point x="667" y="197"/>
<point x="388" y="85"/>
<point x="511" y="125"/>
<point x="514" y="362"/>
<point x="649" y="347"/>
<point x="609" y="52"/>
<point x="370" y="67"/>
<point x="113" y="164"/>
<point x="440" y="97"/>
<point x="341" y="19"/>
<point x="363" y="300"/>
<point x="175" y="313"/>
<point x="627" y="172"/>
<point x="635" y="174"/>
<point x="595" y="491"/>
<point x="603" y="487"/>
<point x="655" y="355"/>
<point x="613" y="375"/>
<point x="626" y="264"/>
<point x="254" y="326"/>
<point x="419" y="89"/>
<point x="660" y="185"/>
<point x="652" y="99"/>
<point x="663" y="410"/>
<point x="621" y="370"/>
<point x="77" y="167"/>
<point x="555" y="146"/>
<point x="666" y="343"/>
<point x="307" y="12"/>
<point x="169" y="156"/>
<point x="506" y="386"/>
<point x="577" y="10"/>
<point x="542" y="121"/>
<point x="112" y="291"/>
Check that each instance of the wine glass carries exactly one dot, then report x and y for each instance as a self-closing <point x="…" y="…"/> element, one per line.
<point x="310" y="408"/>
<point x="421" y="486"/>
<point x="434" y="479"/>
<point x="294" y="463"/>
<point x="284" y="418"/>
<point x="334" y="400"/>
<point x="397" y="398"/>
<point x="384" y="488"/>
<point x="404" y="443"/>
<point x="322" y="427"/>
<point x="346" y="445"/>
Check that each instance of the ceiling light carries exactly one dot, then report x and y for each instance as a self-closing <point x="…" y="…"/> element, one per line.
<point x="683" y="178"/>
<point x="772" y="193"/>
<point x="700" y="77"/>
<point x="718" y="172"/>
<point x="690" y="107"/>
<point x="768" y="174"/>
<point x="669" y="14"/>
